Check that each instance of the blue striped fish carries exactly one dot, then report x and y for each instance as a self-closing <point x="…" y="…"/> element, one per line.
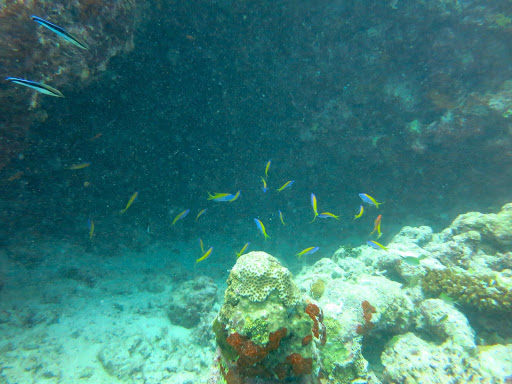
<point x="39" y="87"/>
<point x="61" y="32"/>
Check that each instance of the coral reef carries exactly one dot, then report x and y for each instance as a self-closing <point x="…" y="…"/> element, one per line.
<point x="379" y="306"/>
<point x="262" y="327"/>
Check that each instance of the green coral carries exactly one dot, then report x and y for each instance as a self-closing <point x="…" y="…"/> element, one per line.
<point x="483" y="291"/>
<point x="256" y="330"/>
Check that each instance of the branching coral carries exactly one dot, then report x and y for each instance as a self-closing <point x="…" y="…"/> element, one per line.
<point x="484" y="291"/>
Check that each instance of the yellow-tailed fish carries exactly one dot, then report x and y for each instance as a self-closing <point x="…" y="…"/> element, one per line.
<point x="235" y="197"/>
<point x="39" y="87"/>
<point x="203" y="211"/>
<point x="325" y="215"/>
<point x="60" y="32"/>
<point x="361" y="211"/>
<point x="313" y="204"/>
<point x="308" y="251"/>
<point x="79" y="166"/>
<point x="91" y="228"/>
<point x="205" y="256"/>
<point x="376" y="245"/>
<point x="220" y="196"/>
<point x="281" y="217"/>
<point x="242" y="250"/>
<point x="369" y="200"/>
<point x="130" y="202"/>
<point x="180" y="216"/>
<point x="377" y="226"/>
<point x="264" y="188"/>
<point x="288" y="184"/>
<point x="261" y="227"/>
<point x="267" y="168"/>
<point x="201" y="245"/>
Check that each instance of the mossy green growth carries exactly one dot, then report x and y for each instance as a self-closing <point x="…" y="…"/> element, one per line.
<point x="487" y="291"/>
<point x="256" y="330"/>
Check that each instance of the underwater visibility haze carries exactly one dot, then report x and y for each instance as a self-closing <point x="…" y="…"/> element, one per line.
<point x="255" y="192"/>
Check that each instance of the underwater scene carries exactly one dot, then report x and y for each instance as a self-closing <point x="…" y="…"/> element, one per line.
<point x="260" y="192"/>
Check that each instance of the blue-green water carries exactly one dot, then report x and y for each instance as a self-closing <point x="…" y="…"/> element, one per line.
<point x="408" y="102"/>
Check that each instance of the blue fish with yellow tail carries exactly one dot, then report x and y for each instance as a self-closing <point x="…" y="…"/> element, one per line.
<point x="205" y="256"/>
<point x="203" y="211"/>
<point x="220" y="197"/>
<point x="180" y="216"/>
<point x="281" y="217"/>
<point x="360" y="213"/>
<point x="261" y="228"/>
<point x="243" y="250"/>
<point x="313" y="205"/>
<point x="267" y="168"/>
<point x="130" y="202"/>
<point x="286" y="185"/>
<point x="369" y="200"/>
<point x="39" y="87"/>
<point x="307" y="251"/>
<point x="91" y="228"/>
<point x="326" y="215"/>
<point x="376" y="245"/>
<point x="60" y="32"/>
<point x="264" y="188"/>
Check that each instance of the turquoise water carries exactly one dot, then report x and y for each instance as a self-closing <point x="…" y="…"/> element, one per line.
<point x="407" y="102"/>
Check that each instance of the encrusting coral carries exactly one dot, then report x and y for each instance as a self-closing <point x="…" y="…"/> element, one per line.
<point x="266" y="329"/>
<point x="483" y="291"/>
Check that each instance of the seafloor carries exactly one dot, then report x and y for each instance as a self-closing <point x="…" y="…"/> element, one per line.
<point x="438" y="310"/>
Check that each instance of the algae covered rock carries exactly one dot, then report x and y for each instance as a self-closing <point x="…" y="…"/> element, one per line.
<point x="192" y="301"/>
<point x="265" y="328"/>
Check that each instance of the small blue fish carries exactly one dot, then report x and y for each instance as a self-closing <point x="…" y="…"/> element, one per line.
<point x="261" y="228"/>
<point x="61" y="32"/>
<point x="288" y="184"/>
<point x="180" y="216"/>
<point x="308" y="251"/>
<point x="221" y="197"/>
<point x="203" y="211"/>
<point x="39" y="87"/>
<point x="281" y="217"/>
<point x="369" y="200"/>
<point x="376" y="245"/>
<point x="264" y="188"/>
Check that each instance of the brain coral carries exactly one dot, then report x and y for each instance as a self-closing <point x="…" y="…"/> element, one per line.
<point x="256" y="274"/>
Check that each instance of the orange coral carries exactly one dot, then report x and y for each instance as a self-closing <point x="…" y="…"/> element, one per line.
<point x="251" y="353"/>
<point x="306" y="340"/>
<point x="318" y="329"/>
<point x="368" y="310"/>
<point x="300" y="365"/>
